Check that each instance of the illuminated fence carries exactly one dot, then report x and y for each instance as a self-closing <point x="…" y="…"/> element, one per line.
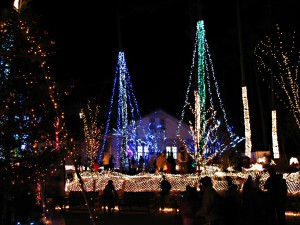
<point x="146" y="182"/>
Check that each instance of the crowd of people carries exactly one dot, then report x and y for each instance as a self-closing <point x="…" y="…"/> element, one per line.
<point x="252" y="205"/>
<point x="161" y="162"/>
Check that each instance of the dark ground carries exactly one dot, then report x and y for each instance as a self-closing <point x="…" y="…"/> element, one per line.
<point x="82" y="218"/>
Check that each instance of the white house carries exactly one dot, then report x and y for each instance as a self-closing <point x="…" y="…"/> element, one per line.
<point x="154" y="133"/>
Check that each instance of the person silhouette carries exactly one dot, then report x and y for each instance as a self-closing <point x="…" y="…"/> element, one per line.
<point x="232" y="203"/>
<point x="161" y="161"/>
<point x="165" y="186"/>
<point x="141" y="163"/>
<point x="182" y="159"/>
<point x="110" y="197"/>
<point x="211" y="202"/>
<point x="172" y="163"/>
<point x="105" y="160"/>
<point x="112" y="162"/>
<point x="276" y="189"/>
<point x="188" y="205"/>
<point x="253" y="202"/>
<point x="281" y="201"/>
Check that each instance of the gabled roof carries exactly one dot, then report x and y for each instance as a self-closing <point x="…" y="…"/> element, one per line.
<point x="171" y="123"/>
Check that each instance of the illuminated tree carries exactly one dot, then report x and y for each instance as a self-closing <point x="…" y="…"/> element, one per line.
<point x="124" y="104"/>
<point x="280" y="63"/>
<point x="209" y="128"/>
<point x="277" y="60"/>
<point x="92" y="132"/>
<point x="32" y="133"/>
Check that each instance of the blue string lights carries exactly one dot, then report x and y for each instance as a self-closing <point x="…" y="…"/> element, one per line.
<point x="129" y="120"/>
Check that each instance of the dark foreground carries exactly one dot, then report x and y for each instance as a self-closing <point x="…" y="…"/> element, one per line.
<point x="82" y="218"/>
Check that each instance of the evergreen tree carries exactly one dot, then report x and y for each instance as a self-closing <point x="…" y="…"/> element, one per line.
<point x="32" y="135"/>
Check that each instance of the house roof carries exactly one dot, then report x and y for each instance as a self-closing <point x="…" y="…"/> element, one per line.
<point x="170" y="123"/>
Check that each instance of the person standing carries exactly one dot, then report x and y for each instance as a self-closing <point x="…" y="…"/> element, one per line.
<point x="172" y="163"/>
<point x="281" y="203"/>
<point x="161" y="161"/>
<point x="110" y="197"/>
<point x="276" y="189"/>
<point x="96" y="166"/>
<point x="141" y="163"/>
<point x="188" y="205"/>
<point x="134" y="166"/>
<point x="253" y="203"/>
<point x="112" y="162"/>
<point x="210" y="209"/>
<point x="78" y="161"/>
<point x="105" y="160"/>
<point x="232" y="204"/>
<point x="182" y="160"/>
<point x="165" y="186"/>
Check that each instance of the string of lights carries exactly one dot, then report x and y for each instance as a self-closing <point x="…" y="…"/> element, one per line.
<point x="205" y="128"/>
<point x="277" y="62"/>
<point x="128" y="119"/>
<point x="92" y="131"/>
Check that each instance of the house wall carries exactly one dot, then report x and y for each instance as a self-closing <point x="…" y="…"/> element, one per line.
<point x="164" y="128"/>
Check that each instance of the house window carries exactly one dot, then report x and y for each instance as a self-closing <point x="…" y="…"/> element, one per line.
<point x="174" y="151"/>
<point x="142" y="151"/>
<point x="139" y="151"/>
<point x="171" y="149"/>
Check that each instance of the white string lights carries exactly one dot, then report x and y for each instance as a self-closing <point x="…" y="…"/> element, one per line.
<point x="248" y="143"/>
<point x="206" y="106"/>
<point x="129" y="119"/>
<point x="278" y="65"/>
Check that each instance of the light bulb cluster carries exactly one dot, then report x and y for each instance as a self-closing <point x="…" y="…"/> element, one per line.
<point x="205" y="128"/>
<point x="129" y="119"/>
<point x="146" y="182"/>
<point x="277" y="64"/>
<point x="92" y="132"/>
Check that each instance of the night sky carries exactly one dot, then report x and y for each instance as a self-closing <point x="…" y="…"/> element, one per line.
<point x="157" y="38"/>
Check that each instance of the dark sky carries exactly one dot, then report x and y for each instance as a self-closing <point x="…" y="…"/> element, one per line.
<point x="157" y="38"/>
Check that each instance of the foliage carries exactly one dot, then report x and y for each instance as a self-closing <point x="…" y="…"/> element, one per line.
<point x="32" y="133"/>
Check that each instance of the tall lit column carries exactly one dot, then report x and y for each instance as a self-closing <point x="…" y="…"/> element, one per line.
<point x="274" y="135"/>
<point x="248" y="144"/>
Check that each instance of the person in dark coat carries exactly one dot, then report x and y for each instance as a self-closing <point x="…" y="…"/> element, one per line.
<point x="112" y="162"/>
<point x="253" y="202"/>
<point x="211" y="203"/>
<point x="188" y="205"/>
<point x="232" y="204"/>
<point x="165" y="186"/>
<point x="172" y="163"/>
<point x="110" y="197"/>
<point x="276" y="189"/>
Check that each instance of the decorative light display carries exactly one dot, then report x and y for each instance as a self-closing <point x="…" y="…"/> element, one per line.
<point x="274" y="135"/>
<point x="248" y="143"/>
<point x="205" y="129"/>
<point x="147" y="182"/>
<point x="96" y="181"/>
<point x="92" y="131"/>
<point x="200" y="95"/>
<point x="33" y="137"/>
<point x="278" y="66"/>
<point x="128" y="113"/>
